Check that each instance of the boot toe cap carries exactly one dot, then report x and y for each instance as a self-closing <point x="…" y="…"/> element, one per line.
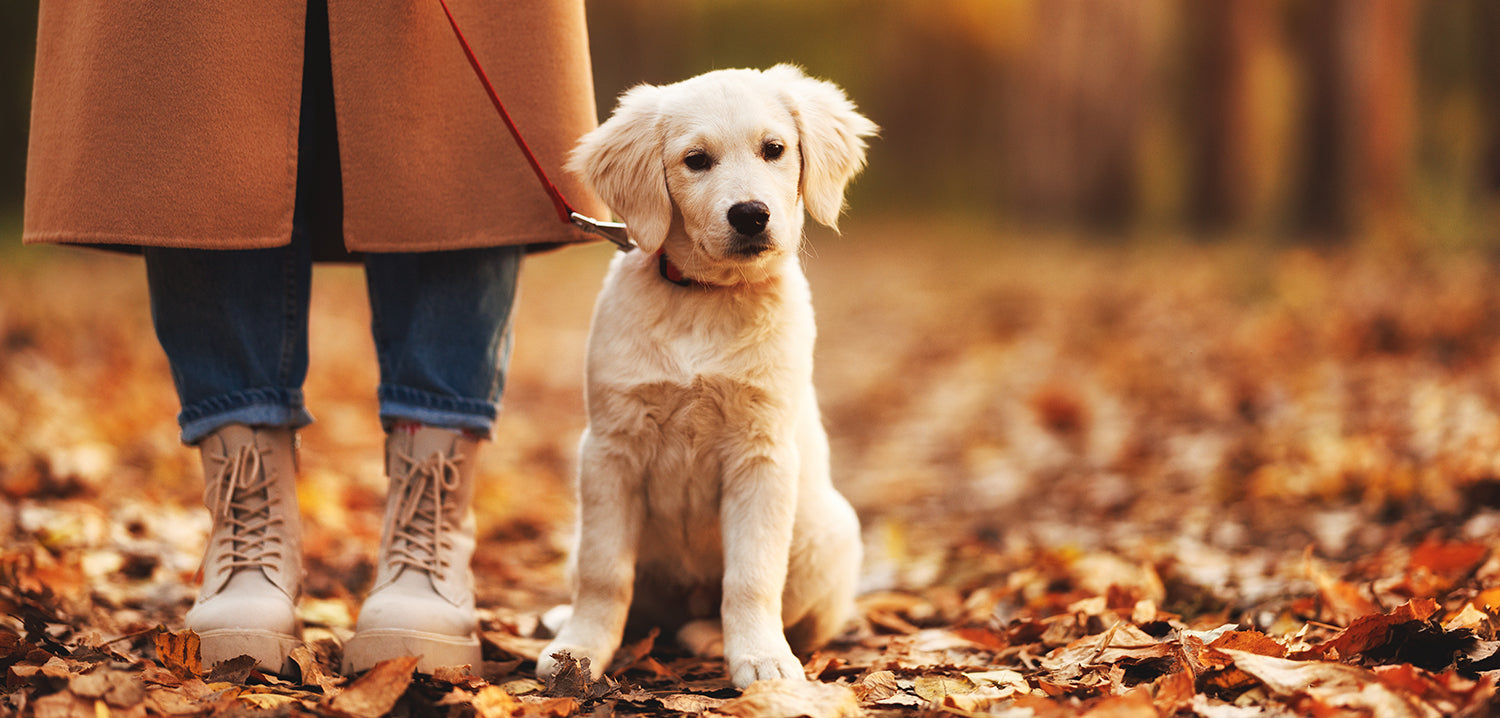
<point x="423" y="614"/>
<point x="245" y="604"/>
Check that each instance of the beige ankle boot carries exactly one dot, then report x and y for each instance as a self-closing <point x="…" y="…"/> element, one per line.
<point x="422" y="603"/>
<point x="252" y="569"/>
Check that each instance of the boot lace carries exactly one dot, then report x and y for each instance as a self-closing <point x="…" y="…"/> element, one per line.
<point x="244" y="504"/>
<point x="421" y="534"/>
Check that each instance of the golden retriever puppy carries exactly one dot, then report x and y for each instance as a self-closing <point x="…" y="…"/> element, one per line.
<point x="705" y="504"/>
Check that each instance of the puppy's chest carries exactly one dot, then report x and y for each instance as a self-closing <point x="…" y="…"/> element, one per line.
<point x="691" y="428"/>
<point x="697" y="394"/>
<point x="699" y="420"/>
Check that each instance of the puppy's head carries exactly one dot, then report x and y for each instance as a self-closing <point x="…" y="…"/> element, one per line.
<point x="719" y="166"/>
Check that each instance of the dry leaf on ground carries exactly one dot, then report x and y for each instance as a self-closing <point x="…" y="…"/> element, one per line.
<point x="376" y="692"/>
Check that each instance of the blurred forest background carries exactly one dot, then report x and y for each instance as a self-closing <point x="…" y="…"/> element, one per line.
<point x="1205" y="319"/>
<point x="1309" y="119"/>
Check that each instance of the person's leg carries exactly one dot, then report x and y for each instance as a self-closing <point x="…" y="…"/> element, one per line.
<point x="441" y="322"/>
<point x="234" y="327"/>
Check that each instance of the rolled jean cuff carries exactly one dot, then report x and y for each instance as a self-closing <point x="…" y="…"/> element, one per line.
<point x="402" y="403"/>
<point x="252" y="407"/>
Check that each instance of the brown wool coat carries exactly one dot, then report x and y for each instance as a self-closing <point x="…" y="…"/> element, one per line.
<point x="174" y="122"/>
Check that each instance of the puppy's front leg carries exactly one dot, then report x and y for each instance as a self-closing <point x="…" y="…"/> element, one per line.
<point x="757" y="512"/>
<point x="610" y="511"/>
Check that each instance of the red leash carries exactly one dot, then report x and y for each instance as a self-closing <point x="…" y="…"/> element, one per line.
<point x="612" y="231"/>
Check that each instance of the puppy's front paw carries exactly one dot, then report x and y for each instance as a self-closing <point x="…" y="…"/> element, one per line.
<point x="598" y="658"/>
<point x="751" y="666"/>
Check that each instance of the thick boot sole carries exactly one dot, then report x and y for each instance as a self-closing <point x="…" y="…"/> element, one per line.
<point x="271" y="650"/>
<point x="372" y="646"/>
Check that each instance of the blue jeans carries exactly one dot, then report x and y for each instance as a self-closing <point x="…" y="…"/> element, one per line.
<point x="234" y="322"/>
<point x="234" y="327"/>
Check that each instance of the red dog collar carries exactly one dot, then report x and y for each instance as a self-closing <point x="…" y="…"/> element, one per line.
<point x="671" y="273"/>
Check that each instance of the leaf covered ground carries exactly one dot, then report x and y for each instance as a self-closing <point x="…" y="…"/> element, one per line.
<point x="1156" y="480"/>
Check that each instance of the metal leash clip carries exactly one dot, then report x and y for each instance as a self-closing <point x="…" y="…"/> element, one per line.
<point x="612" y="231"/>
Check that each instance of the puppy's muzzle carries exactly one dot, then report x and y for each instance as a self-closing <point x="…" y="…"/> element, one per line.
<point x="749" y="219"/>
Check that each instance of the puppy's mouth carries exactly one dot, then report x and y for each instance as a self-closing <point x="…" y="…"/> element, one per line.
<point x="751" y="246"/>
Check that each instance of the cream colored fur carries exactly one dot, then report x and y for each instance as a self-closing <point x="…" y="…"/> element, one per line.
<point x="703" y="488"/>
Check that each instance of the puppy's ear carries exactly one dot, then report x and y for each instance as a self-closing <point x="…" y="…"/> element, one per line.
<point x="621" y="161"/>
<point x="832" y="136"/>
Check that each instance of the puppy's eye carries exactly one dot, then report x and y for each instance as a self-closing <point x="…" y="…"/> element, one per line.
<point x="698" y="161"/>
<point x="772" y="150"/>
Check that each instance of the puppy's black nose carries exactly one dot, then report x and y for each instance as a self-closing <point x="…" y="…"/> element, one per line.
<point x="749" y="218"/>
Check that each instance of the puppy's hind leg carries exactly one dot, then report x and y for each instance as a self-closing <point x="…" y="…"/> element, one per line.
<point x="704" y="637"/>
<point x="823" y="576"/>
<point x="557" y="617"/>
<point x="824" y="566"/>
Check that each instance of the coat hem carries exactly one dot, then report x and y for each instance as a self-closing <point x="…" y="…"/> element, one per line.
<point x="103" y="239"/>
<point x="534" y="242"/>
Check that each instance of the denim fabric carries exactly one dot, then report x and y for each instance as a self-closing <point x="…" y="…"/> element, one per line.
<point x="441" y="322"/>
<point x="234" y="327"/>
<point x="233" y="323"/>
